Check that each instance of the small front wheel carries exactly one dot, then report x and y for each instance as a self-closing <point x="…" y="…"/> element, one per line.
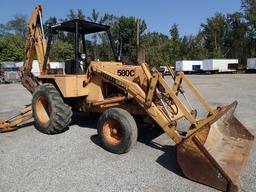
<point x="117" y="130"/>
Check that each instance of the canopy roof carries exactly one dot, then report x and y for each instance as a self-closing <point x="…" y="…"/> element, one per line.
<point x="85" y="27"/>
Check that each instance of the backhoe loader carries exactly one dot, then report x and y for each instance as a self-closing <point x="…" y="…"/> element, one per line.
<point x="212" y="150"/>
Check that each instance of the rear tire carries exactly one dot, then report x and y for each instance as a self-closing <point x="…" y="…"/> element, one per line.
<point x="50" y="113"/>
<point x="117" y="130"/>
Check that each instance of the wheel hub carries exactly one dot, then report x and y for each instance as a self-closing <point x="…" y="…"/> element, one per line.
<point x="43" y="110"/>
<point x="112" y="132"/>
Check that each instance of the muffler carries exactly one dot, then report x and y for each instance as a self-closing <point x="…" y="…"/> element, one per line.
<point x="216" y="154"/>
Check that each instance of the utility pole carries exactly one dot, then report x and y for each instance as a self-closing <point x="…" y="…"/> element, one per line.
<point x="140" y="51"/>
<point x="138" y="34"/>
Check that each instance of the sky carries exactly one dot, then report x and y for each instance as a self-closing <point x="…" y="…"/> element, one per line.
<point x="159" y="15"/>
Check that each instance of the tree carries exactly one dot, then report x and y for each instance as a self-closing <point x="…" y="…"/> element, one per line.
<point x="174" y="32"/>
<point x="157" y="48"/>
<point x="235" y="39"/>
<point x="18" y="25"/>
<point x="72" y="14"/>
<point x="3" y="30"/>
<point x="96" y="18"/>
<point x="61" y="51"/>
<point x="214" y="32"/>
<point x="12" y="40"/>
<point x="192" y="47"/>
<point x="47" y="24"/>
<point x="175" y="49"/>
<point x="249" y="7"/>
<point x="124" y="31"/>
<point x="104" y="50"/>
<point x="11" y="48"/>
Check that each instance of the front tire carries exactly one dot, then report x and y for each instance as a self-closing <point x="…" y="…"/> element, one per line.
<point x="117" y="130"/>
<point x="50" y="113"/>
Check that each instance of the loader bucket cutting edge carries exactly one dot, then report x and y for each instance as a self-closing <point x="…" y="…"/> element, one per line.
<point x="216" y="154"/>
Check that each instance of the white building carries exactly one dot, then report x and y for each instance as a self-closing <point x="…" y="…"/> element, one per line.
<point x="189" y="65"/>
<point x="220" y="65"/>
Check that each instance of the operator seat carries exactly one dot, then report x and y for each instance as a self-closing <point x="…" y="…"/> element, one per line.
<point x="70" y="67"/>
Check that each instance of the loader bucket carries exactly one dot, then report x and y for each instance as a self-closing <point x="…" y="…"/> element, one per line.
<point x="216" y="154"/>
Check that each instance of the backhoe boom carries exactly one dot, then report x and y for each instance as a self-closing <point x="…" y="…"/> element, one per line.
<point x="35" y="47"/>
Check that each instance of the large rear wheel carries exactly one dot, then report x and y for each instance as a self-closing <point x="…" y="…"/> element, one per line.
<point x="117" y="130"/>
<point x="50" y="113"/>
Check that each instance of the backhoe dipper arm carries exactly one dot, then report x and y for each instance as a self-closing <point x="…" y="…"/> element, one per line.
<point x="11" y="123"/>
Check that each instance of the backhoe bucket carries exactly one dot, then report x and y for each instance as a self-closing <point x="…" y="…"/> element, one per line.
<point x="216" y="154"/>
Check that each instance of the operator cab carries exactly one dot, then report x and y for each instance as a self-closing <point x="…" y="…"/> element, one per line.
<point x="79" y="28"/>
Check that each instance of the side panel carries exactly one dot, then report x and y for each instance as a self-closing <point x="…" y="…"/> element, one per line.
<point x="133" y="73"/>
<point x="70" y="85"/>
<point x="95" y="90"/>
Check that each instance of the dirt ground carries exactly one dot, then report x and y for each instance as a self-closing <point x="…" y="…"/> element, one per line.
<point x="75" y="161"/>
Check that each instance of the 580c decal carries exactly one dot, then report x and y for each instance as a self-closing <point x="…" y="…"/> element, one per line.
<point x="124" y="72"/>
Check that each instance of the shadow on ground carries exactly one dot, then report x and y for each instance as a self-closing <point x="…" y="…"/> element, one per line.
<point x="146" y="135"/>
<point x="169" y="157"/>
<point x="85" y="120"/>
<point x="25" y="125"/>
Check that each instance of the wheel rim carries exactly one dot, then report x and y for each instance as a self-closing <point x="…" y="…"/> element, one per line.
<point x="112" y="132"/>
<point x="43" y="110"/>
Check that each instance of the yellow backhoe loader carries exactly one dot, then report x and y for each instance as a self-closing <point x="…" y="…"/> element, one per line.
<point x="212" y="150"/>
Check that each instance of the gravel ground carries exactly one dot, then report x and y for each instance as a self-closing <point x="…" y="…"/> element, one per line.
<point x="74" y="160"/>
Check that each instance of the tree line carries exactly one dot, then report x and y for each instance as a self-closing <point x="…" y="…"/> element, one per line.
<point x="231" y="35"/>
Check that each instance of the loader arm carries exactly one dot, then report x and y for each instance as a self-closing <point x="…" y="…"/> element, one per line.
<point x="161" y="114"/>
<point x="134" y="91"/>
